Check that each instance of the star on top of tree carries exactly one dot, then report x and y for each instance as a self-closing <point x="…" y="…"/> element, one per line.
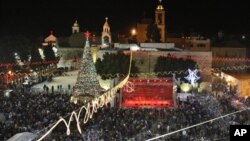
<point x="87" y="34"/>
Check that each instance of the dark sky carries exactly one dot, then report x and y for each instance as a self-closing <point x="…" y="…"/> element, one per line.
<point x="37" y="17"/>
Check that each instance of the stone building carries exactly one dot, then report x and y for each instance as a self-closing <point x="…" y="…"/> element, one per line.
<point x="159" y="21"/>
<point x="229" y="51"/>
<point x="146" y="60"/>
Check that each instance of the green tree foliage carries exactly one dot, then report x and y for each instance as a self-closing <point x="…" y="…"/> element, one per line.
<point x="113" y="64"/>
<point x="35" y="58"/>
<point x="153" y="33"/>
<point x="25" y="55"/>
<point x="166" y="64"/>
<point x="10" y="44"/>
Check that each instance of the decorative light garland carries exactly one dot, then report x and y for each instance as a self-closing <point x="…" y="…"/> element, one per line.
<point x="91" y="107"/>
<point x="202" y="58"/>
<point x="205" y="70"/>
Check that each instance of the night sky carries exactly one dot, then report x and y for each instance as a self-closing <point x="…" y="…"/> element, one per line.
<point x="35" y="18"/>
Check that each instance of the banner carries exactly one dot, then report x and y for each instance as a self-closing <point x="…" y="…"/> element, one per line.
<point x="140" y="92"/>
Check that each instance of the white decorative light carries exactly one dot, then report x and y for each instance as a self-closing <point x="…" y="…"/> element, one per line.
<point x="41" y="53"/>
<point x="134" y="47"/>
<point x="55" y="51"/>
<point x="192" y="76"/>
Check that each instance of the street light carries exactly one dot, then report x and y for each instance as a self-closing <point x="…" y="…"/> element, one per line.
<point x="133" y="36"/>
<point x="133" y="32"/>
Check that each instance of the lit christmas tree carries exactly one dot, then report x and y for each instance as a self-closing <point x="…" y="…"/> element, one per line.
<point x="87" y="86"/>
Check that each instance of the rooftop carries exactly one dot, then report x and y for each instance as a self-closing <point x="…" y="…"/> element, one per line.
<point x="232" y="43"/>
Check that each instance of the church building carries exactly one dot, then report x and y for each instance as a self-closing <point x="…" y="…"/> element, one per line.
<point x="106" y="34"/>
<point x="159" y="21"/>
<point x="72" y="46"/>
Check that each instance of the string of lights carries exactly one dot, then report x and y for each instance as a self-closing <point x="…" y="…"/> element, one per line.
<point x="90" y="108"/>
<point x="29" y="63"/>
<point x="194" y="57"/>
<point x="173" y="56"/>
<point x="232" y="68"/>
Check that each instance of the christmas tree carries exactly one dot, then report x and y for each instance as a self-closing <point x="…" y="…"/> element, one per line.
<point x="87" y="86"/>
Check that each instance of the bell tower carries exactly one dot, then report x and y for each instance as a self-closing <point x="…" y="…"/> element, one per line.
<point x="106" y="34"/>
<point x="160" y="20"/>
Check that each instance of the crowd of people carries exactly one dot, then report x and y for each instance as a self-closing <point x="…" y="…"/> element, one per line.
<point x="27" y="112"/>
<point x="144" y="123"/>
<point x="118" y="124"/>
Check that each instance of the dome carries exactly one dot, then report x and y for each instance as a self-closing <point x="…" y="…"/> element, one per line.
<point x="76" y="23"/>
<point x="50" y="38"/>
<point x="106" y="25"/>
<point x="160" y="6"/>
<point x="106" y="28"/>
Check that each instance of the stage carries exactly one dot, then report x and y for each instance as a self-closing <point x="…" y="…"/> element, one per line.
<point x="156" y="92"/>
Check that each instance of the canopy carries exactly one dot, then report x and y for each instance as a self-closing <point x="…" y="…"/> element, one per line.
<point x="24" y="136"/>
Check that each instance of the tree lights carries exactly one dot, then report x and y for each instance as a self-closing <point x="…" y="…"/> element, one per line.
<point x="87" y="86"/>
